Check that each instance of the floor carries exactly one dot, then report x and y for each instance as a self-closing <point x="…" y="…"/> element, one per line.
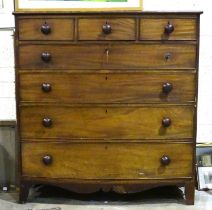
<point x="42" y="198"/>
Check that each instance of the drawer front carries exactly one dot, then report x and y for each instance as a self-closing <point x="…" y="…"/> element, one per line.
<point x="66" y="122"/>
<point x="128" y="56"/>
<point x="106" y="29"/>
<point x="93" y="161"/>
<point x="168" y="29"/>
<point x="141" y="87"/>
<point x="46" y="29"/>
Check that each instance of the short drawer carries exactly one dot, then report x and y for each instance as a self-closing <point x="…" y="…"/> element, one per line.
<point x="106" y="122"/>
<point x="168" y="29"/>
<point x="143" y="87"/>
<point x="46" y="29"/>
<point x="117" y="56"/>
<point x="107" y="161"/>
<point x="106" y="29"/>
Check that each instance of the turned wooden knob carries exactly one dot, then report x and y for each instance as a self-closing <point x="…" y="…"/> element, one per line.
<point x="167" y="87"/>
<point x="47" y="122"/>
<point x="166" y="122"/>
<point x="106" y="28"/>
<point x="47" y="159"/>
<point x="169" y="28"/>
<point x="45" y="56"/>
<point x="46" y="87"/>
<point x="45" y="29"/>
<point x="165" y="160"/>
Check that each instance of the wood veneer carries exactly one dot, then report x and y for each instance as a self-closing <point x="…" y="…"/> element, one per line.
<point x="107" y="100"/>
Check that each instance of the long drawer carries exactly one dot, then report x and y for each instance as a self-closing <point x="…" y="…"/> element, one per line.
<point x="106" y="122"/>
<point x="107" y="56"/>
<point x="141" y="87"/>
<point x="107" y="161"/>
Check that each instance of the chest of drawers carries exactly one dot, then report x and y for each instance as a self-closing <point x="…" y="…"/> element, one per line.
<point x="107" y="100"/>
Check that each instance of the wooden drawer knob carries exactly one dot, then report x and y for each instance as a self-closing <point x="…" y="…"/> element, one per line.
<point x="166" y="122"/>
<point x="167" y="87"/>
<point x="47" y="122"/>
<point x="165" y="160"/>
<point x="169" y="28"/>
<point x="45" y="56"/>
<point x="47" y="159"/>
<point x="106" y="28"/>
<point x="45" y="29"/>
<point x="46" y="87"/>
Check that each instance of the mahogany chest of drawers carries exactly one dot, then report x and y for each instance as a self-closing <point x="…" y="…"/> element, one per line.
<point x="107" y="100"/>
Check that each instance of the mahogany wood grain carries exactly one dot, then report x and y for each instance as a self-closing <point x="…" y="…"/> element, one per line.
<point x="107" y="161"/>
<point x="61" y="29"/>
<point x="91" y="29"/>
<point x="123" y="87"/>
<point x="108" y="56"/>
<point x="106" y="122"/>
<point x="153" y="29"/>
<point x="107" y="100"/>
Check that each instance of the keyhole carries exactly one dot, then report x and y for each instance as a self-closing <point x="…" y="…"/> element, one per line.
<point x="107" y="52"/>
<point x="106" y="78"/>
<point x="168" y="56"/>
<point x="106" y="111"/>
